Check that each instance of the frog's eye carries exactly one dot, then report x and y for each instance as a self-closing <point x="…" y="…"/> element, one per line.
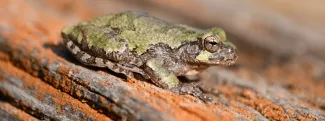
<point x="212" y="43"/>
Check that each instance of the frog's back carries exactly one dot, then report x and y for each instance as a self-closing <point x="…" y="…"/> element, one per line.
<point x="141" y="30"/>
<point x="132" y="29"/>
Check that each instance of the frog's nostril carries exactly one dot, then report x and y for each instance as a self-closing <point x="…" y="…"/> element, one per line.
<point x="229" y="49"/>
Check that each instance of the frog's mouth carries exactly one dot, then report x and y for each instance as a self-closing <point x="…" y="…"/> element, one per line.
<point x="224" y="56"/>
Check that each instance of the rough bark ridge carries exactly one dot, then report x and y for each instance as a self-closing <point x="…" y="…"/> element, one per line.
<point x="39" y="79"/>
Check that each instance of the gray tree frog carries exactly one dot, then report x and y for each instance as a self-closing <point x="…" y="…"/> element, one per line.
<point x="134" y="42"/>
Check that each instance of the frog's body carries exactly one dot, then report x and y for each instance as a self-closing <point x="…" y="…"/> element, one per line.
<point x="133" y="42"/>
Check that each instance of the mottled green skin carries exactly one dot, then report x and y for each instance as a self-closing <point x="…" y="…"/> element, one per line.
<point x="139" y="30"/>
<point x="131" y="42"/>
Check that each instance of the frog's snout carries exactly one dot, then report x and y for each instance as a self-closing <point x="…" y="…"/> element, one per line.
<point x="226" y="55"/>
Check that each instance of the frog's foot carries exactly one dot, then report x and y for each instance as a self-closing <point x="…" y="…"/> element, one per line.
<point x="130" y="70"/>
<point x="127" y="70"/>
<point x="190" y="89"/>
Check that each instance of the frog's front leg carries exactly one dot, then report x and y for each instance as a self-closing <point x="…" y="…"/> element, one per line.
<point x="168" y="80"/>
<point x="160" y="75"/>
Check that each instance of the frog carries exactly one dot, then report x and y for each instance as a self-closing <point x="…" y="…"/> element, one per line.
<point x="136" y="43"/>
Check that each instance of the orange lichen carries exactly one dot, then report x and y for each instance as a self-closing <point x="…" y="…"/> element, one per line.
<point x="42" y="89"/>
<point x="17" y="112"/>
<point x="181" y="107"/>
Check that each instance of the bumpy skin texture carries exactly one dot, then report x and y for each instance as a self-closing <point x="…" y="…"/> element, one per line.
<point x="134" y="42"/>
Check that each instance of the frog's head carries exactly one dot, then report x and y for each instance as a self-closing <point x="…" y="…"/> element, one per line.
<point x="212" y="48"/>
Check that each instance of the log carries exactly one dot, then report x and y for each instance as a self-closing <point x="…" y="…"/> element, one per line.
<point x="40" y="80"/>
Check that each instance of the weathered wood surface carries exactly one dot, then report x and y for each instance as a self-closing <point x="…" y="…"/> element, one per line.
<point x="40" y="80"/>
